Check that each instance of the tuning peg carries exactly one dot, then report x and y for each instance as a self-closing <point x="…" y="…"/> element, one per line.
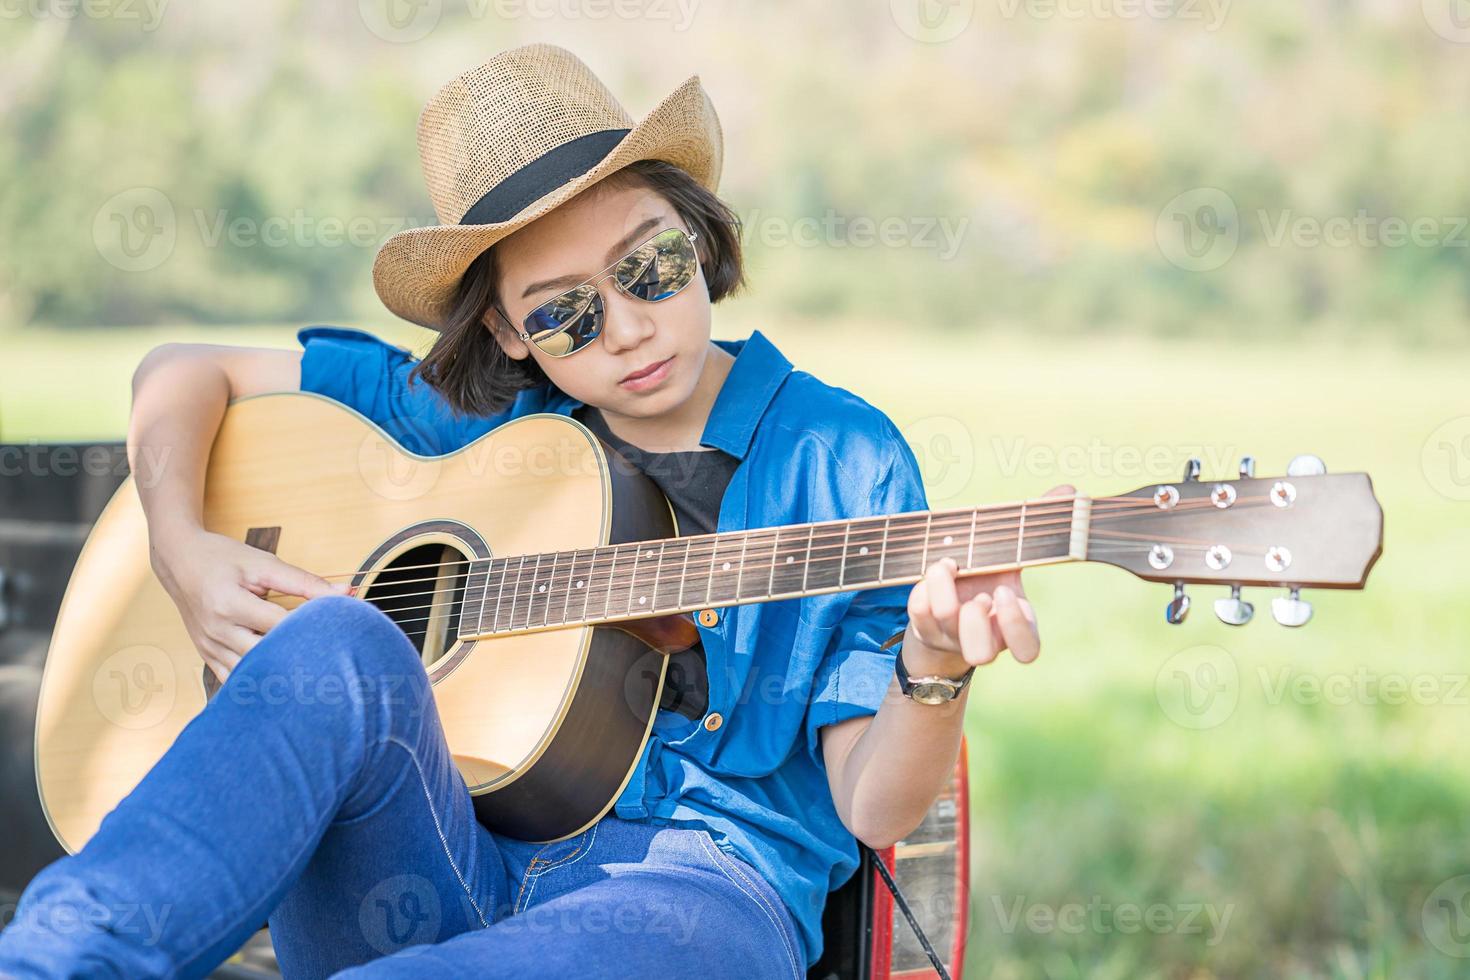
<point x="1234" y="611"/>
<point x="1291" y="609"/>
<point x="1247" y="467"/>
<point x="1178" y="607"/>
<point x="1305" y="465"/>
<point x="1191" y="471"/>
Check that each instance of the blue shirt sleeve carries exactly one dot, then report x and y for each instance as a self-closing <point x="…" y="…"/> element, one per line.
<point x="853" y="676"/>
<point x="370" y="376"/>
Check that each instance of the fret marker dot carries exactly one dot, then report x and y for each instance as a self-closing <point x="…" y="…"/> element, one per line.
<point x="727" y="566"/>
<point x="579" y="583"/>
<point x="648" y="553"/>
<point x="790" y="559"/>
<point x="642" y="599"/>
<point x="542" y="589"/>
<point x="948" y="539"/>
<point x="863" y="550"/>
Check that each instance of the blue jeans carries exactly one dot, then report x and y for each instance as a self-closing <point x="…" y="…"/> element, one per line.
<point x="316" y="790"/>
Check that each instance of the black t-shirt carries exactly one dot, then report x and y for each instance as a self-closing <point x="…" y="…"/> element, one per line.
<point x="695" y="482"/>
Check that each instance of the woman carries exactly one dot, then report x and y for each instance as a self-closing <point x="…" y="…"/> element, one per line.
<point x="573" y="273"/>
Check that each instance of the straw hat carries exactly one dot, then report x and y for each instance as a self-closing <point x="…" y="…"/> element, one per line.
<point x="504" y="143"/>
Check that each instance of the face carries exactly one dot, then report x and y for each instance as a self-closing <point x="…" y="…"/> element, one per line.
<point x="580" y="239"/>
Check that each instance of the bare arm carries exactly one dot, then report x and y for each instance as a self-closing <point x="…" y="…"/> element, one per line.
<point x="180" y="393"/>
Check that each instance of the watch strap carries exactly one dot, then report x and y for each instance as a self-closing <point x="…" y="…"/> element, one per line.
<point x="904" y="683"/>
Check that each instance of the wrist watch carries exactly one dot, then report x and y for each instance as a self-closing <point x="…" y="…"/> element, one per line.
<point x="929" y="689"/>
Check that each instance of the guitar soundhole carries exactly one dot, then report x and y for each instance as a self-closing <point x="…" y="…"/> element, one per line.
<point x="422" y="590"/>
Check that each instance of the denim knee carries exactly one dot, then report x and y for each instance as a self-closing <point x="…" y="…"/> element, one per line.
<point x="341" y="641"/>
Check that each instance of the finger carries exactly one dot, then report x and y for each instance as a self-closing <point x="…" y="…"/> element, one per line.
<point x="921" y="620"/>
<point x="977" y="642"/>
<point x="1061" y="490"/>
<point x="289" y="579"/>
<point x="1019" y="634"/>
<point x="260" y="615"/>
<point x="944" y="602"/>
<point x="220" y="658"/>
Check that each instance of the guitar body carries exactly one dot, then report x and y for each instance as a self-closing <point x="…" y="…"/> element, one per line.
<point x="545" y="726"/>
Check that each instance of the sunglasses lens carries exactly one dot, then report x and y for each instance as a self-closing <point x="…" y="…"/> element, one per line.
<point x="660" y="268"/>
<point x="566" y="323"/>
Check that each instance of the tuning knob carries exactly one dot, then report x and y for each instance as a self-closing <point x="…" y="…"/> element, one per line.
<point x="1234" y="611"/>
<point x="1247" y="467"/>
<point x="1178" y="607"/>
<point x="1291" y="609"/>
<point x="1191" y="471"/>
<point x="1305" y="465"/>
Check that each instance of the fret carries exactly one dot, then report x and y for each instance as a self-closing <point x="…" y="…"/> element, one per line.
<point x="608" y="574"/>
<point x="997" y="541"/>
<point x="568" y="589"/>
<point x="789" y="567"/>
<point x="759" y="560"/>
<point x="1021" y="533"/>
<point x="740" y="562"/>
<point x="515" y="594"/>
<point x="556" y="592"/>
<point x="566" y="592"/>
<point x="943" y="543"/>
<point x="500" y="594"/>
<point x="633" y="579"/>
<point x="666" y="592"/>
<point x="525" y="621"/>
<point x="548" y="589"/>
<point x="862" y="553"/>
<point x="725" y="569"/>
<point x="586" y="582"/>
<point x="806" y="562"/>
<point x="906" y="546"/>
<point x="883" y="547"/>
<point x="484" y="595"/>
<point x="970" y="559"/>
<point x="824" y="561"/>
<point x="651" y="593"/>
<point x="701" y="567"/>
<point x="1048" y="533"/>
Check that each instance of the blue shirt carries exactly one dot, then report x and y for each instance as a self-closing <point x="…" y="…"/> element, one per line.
<point x="778" y="671"/>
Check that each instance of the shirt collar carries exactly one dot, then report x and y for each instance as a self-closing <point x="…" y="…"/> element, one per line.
<point x="755" y="377"/>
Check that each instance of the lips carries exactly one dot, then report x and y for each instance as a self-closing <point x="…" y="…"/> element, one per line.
<point x="645" y="372"/>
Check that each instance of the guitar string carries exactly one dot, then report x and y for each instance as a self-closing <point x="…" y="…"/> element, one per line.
<point x="1100" y="511"/>
<point x="620" y="581"/>
<point x="557" y="590"/>
<point x="385" y="601"/>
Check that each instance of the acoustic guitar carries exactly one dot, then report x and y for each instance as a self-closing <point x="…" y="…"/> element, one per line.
<point x="543" y="582"/>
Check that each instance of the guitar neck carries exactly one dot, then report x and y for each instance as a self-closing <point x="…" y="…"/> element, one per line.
<point x="639" y="579"/>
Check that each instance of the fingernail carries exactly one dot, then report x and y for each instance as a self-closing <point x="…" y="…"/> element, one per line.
<point x="1004" y="594"/>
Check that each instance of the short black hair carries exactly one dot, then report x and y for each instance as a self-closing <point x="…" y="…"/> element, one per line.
<point x="467" y="365"/>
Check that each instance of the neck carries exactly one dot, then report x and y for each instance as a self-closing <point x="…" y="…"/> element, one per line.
<point x="639" y="579"/>
<point x="679" y="429"/>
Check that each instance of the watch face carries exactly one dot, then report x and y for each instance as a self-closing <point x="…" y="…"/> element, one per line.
<point x="931" y="693"/>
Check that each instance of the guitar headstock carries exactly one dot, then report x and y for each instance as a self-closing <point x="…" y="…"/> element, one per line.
<point x="1304" y="530"/>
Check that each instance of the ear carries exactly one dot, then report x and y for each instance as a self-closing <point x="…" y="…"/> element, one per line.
<point x="506" y="336"/>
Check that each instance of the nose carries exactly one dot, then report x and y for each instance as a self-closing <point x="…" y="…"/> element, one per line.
<point x="627" y="322"/>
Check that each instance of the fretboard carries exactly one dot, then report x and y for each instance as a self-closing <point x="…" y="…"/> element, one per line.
<point x="637" y="579"/>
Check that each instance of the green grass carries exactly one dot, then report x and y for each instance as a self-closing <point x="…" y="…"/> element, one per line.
<point x="1321" y="825"/>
